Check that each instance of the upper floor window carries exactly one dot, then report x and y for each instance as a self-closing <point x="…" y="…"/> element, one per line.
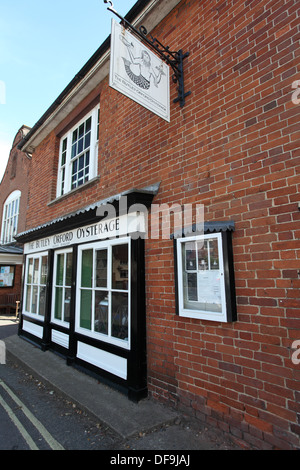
<point x="79" y="153"/>
<point x="10" y="217"/>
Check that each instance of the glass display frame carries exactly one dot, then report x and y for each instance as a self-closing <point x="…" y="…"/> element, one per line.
<point x="204" y="274"/>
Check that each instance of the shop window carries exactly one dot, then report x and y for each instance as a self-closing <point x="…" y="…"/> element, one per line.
<point x="103" y="306"/>
<point x="62" y="282"/>
<point x="35" y="285"/>
<point x="10" y="217"/>
<point x="204" y="275"/>
<point x="79" y="153"/>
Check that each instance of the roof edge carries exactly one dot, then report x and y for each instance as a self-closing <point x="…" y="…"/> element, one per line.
<point x="149" y="191"/>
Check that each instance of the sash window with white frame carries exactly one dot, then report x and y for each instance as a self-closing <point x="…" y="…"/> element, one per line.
<point x="205" y="283"/>
<point x="79" y="153"/>
<point x="62" y="283"/>
<point x="35" y="284"/>
<point x="103" y="292"/>
<point x="10" y="217"/>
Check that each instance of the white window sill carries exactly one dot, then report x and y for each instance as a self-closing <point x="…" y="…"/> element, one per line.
<point x="80" y="188"/>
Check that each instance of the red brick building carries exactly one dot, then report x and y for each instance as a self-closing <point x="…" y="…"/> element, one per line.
<point x="13" y="203"/>
<point x="206" y="322"/>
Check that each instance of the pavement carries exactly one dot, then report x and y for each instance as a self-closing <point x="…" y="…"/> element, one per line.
<point x="146" y="425"/>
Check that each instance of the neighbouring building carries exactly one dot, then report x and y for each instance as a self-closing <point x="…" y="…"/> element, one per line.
<point x="204" y="320"/>
<point x="13" y="203"/>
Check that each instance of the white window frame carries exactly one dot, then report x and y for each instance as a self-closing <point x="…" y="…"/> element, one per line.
<point x="34" y="257"/>
<point x="64" y="179"/>
<point x="62" y="322"/>
<point x="107" y="244"/>
<point x="200" y="314"/>
<point x="10" y="217"/>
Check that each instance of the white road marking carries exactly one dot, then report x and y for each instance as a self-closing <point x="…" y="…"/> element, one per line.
<point x="55" y="445"/>
<point x="19" y="425"/>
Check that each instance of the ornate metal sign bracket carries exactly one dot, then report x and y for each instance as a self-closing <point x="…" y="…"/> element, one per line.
<point x="174" y="59"/>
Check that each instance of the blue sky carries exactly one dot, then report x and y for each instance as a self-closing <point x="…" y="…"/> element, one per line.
<point x="43" y="44"/>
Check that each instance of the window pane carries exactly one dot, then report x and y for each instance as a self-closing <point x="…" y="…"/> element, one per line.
<point x="88" y="124"/>
<point x="86" y="309"/>
<point x="73" y="182"/>
<point x="87" y="268"/>
<point x="17" y="206"/>
<point x="67" y="304"/>
<point x="101" y="268"/>
<point x="80" y="145"/>
<point x="74" y="167"/>
<point x="203" y="255"/>
<point x="42" y="301"/>
<point x="119" y="315"/>
<point x="192" y="286"/>
<point x="214" y="254"/>
<point x="81" y="131"/>
<point x="44" y="270"/>
<point x="34" y="299"/>
<point x="73" y="154"/>
<point x="64" y="152"/>
<point x="58" y="303"/>
<point x="63" y="276"/>
<point x="64" y="145"/>
<point x="74" y="136"/>
<point x="69" y="269"/>
<point x="81" y="162"/>
<point x="87" y="159"/>
<point x="63" y="159"/>
<point x="15" y="225"/>
<point x="36" y="271"/>
<point x="190" y="256"/>
<point x="28" y="298"/>
<point x="60" y="270"/>
<point x="101" y="312"/>
<point x="120" y="267"/>
<point x="30" y="271"/>
<point x="80" y="178"/>
<point x="87" y="140"/>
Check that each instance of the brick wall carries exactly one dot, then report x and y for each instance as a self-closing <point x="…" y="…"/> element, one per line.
<point x="15" y="290"/>
<point x="235" y="148"/>
<point x="16" y="177"/>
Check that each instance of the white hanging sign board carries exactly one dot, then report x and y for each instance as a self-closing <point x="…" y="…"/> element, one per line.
<point x="138" y="73"/>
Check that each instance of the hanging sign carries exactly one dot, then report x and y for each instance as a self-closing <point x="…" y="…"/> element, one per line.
<point x="136" y="72"/>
